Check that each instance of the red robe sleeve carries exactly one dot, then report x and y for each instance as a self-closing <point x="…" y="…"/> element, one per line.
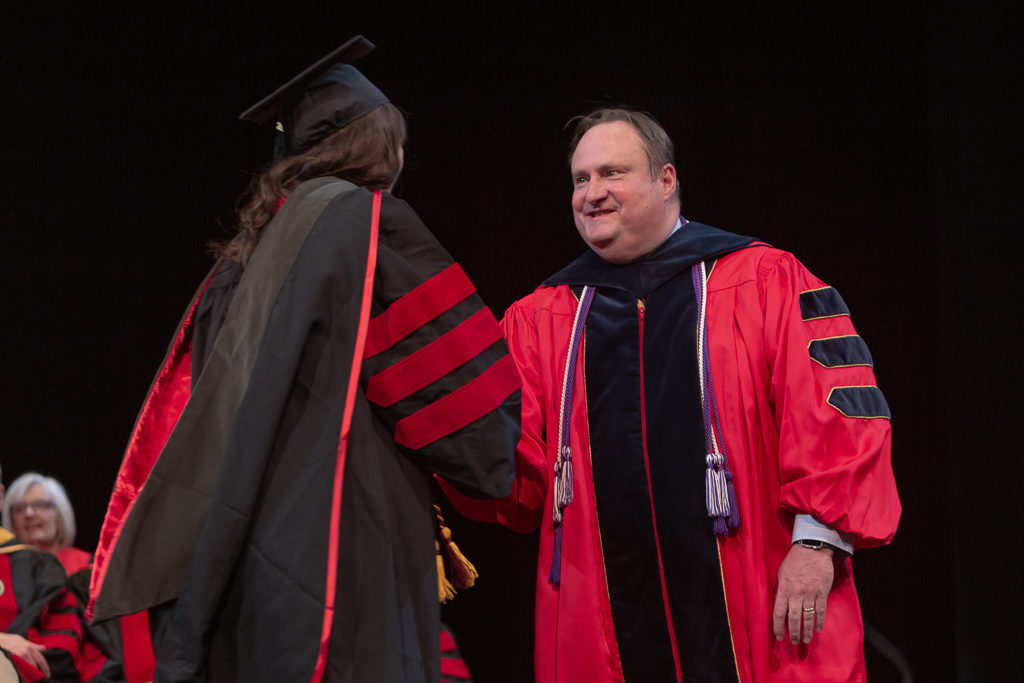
<point x="832" y="420"/>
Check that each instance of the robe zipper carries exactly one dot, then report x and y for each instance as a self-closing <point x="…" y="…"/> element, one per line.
<point x="641" y="310"/>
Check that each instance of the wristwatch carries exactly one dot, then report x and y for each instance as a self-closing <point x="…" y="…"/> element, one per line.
<point x="814" y="544"/>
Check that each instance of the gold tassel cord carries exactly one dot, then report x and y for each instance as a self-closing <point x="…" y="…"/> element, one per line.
<point x="463" y="573"/>
<point x="445" y="590"/>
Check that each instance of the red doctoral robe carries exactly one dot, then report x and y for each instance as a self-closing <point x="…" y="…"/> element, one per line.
<point x="805" y="430"/>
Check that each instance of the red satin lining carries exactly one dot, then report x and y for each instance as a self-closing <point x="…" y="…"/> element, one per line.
<point x="435" y="360"/>
<point x="159" y="415"/>
<point x="346" y="428"/>
<point x="417" y="308"/>
<point x="466" y="404"/>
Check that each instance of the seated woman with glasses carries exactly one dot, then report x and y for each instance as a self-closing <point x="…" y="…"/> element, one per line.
<point x="40" y="627"/>
<point x="37" y="510"/>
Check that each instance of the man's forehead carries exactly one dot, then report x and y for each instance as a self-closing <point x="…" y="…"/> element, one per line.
<point x="607" y="143"/>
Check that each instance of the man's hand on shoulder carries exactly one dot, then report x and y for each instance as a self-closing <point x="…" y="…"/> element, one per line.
<point x="30" y="652"/>
<point x="805" y="579"/>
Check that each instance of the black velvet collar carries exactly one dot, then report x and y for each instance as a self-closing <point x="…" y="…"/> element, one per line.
<point x="691" y="243"/>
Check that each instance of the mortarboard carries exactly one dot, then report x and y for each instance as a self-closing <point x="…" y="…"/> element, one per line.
<point x="324" y="98"/>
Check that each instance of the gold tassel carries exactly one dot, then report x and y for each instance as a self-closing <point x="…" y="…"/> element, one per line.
<point x="445" y="590"/>
<point x="463" y="573"/>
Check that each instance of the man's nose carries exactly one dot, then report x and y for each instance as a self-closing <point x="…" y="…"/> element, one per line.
<point x="596" y="191"/>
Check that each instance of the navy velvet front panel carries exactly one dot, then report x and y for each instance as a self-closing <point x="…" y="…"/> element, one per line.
<point x="620" y="484"/>
<point x="675" y="451"/>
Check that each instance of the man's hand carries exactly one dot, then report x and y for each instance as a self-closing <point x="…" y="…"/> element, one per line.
<point x="30" y="652"/>
<point x="805" y="579"/>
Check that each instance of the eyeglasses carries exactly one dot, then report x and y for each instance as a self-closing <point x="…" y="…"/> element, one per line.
<point x="37" y="506"/>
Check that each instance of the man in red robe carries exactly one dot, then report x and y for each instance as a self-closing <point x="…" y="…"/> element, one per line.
<point x="704" y="445"/>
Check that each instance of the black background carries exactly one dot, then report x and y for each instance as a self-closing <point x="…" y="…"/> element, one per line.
<point x="877" y="141"/>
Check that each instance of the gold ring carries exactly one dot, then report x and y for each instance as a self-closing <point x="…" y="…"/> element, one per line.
<point x="808" y="610"/>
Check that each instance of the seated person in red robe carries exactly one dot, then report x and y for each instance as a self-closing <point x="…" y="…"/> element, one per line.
<point x="37" y="509"/>
<point x="39" y="619"/>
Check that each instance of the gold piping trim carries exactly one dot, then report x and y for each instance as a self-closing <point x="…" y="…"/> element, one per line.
<point x="826" y="317"/>
<point x="838" y="336"/>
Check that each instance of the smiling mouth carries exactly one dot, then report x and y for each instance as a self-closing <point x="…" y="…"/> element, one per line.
<point x="599" y="213"/>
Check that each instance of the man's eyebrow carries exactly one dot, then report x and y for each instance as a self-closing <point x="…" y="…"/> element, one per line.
<point x="600" y="169"/>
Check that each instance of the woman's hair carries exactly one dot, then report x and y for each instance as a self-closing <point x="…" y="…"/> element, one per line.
<point x="366" y="152"/>
<point x="65" y="515"/>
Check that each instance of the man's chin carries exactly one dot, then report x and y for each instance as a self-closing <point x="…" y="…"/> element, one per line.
<point x="615" y="252"/>
<point x="609" y="253"/>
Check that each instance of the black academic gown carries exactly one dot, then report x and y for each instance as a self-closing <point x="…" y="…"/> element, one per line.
<point x="35" y="605"/>
<point x="279" y="564"/>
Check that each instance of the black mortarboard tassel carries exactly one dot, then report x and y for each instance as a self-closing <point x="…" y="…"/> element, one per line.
<point x="324" y="98"/>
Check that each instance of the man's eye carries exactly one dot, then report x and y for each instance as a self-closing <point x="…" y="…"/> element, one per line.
<point x="579" y="180"/>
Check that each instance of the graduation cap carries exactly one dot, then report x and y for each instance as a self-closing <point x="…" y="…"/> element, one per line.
<point x="324" y="98"/>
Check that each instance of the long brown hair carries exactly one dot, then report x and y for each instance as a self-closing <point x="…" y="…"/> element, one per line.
<point x="366" y="153"/>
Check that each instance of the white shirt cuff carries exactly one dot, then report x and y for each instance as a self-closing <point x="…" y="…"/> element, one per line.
<point x="806" y="527"/>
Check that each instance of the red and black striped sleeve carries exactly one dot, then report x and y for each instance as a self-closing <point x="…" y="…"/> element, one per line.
<point x="453" y="668"/>
<point x="60" y="630"/>
<point x="47" y="613"/>
<point x="437" y="370"/>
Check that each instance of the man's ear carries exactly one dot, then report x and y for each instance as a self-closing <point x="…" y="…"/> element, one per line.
<point x="667" y="179"/>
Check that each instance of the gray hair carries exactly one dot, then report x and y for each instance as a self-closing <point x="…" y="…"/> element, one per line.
<point x="65" y="515"/>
